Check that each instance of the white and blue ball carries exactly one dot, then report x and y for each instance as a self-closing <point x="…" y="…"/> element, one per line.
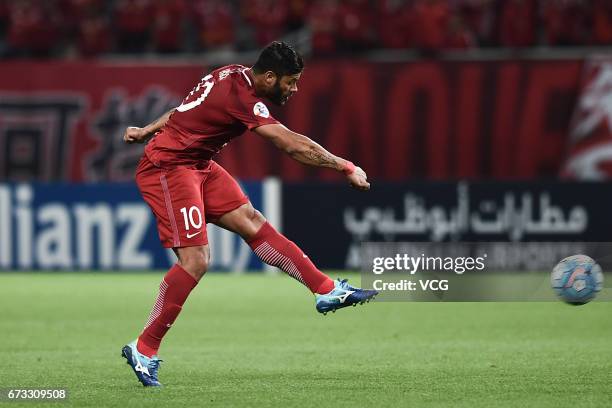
<point x="577" y="279"/>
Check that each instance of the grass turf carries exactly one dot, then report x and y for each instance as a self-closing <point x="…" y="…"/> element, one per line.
<point x="253" y="340"/>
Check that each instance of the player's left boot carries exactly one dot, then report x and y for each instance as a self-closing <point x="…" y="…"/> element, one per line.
<point x="343" y="295"/>
<point x="144" y="367"/>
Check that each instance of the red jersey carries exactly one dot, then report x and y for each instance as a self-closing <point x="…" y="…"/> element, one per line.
<point x="222" y="106"/>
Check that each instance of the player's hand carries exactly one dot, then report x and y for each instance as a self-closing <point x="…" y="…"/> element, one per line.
<point x="134" y="135"/>
<point x="359" y="179"/>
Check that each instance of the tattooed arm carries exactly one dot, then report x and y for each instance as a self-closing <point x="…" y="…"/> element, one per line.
<point x="305" y="150"/>
<point x="139" y="135"/>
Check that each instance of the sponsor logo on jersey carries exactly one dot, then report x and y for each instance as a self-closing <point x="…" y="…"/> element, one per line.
<point x="261" y="110"/>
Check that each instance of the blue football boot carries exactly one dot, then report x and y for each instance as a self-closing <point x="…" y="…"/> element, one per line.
<point x="144" y="367"/>
<point x="343" y="295"/>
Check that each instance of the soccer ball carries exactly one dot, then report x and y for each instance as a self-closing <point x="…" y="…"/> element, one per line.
<point x="577" y="279"/>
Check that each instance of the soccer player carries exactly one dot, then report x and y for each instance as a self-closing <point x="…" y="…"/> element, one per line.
<point x="186" y="189"/>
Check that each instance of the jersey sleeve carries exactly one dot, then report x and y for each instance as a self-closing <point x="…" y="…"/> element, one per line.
<point x="251" y="111"/>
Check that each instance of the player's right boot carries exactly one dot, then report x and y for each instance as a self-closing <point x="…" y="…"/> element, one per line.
<point x="144" y="367"/>
<point x="343" y="295"/>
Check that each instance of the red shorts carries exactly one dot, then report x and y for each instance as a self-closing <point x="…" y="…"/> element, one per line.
<point x="184" y="199"/>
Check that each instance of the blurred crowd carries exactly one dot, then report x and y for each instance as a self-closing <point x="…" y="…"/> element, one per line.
<point x="94" y="27"/>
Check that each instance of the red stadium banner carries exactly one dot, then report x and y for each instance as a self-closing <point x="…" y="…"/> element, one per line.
<point x="590" y="139"/>
<point x="430" y="120"/>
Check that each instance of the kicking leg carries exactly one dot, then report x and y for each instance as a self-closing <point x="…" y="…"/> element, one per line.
<point x="276" y="250"/>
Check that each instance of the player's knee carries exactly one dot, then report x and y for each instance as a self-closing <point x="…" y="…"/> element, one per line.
<point x="256" y="218"/>
<point x="196" y="263"/>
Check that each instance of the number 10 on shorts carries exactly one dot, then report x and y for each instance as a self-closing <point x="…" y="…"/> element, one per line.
<point x="192" y="217"/>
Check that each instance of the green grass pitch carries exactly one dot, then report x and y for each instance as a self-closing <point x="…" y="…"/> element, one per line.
<point x="255" y="340"/>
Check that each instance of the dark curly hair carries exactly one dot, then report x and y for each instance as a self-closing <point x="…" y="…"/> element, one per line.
<point x="280" y="58"/>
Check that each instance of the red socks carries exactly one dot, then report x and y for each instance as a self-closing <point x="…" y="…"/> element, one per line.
<point x="173" y="291"/>
<point x="275" y="249"/>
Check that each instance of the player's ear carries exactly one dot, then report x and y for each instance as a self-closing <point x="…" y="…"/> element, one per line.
<point x="270" y="78"/>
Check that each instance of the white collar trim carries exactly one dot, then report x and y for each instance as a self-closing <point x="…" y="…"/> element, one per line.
<point x="246" y="77"/>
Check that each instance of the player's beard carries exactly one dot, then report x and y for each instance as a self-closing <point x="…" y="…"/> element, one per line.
<point x="276" y="95"/>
